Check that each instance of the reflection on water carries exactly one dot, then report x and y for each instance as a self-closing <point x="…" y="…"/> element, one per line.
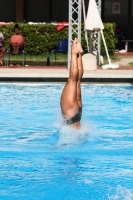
<point x="42" y="159"/>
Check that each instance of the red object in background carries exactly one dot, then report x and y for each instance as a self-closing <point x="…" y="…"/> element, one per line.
<point x="61" y="25"/>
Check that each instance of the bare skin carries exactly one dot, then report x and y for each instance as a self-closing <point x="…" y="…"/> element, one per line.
<point x="2" y="51"/>
<point x="71" y="96"/>
<point x="16" y="46"/>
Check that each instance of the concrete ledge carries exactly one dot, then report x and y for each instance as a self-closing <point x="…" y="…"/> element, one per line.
<point x="61" y="75"/>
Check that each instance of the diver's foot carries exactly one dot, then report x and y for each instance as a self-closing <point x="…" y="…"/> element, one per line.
<point x="79" y="47"/>
<point x="76" y="47"/>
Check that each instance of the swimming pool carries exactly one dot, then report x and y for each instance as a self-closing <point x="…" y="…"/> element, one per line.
<point x="41" y="159"/>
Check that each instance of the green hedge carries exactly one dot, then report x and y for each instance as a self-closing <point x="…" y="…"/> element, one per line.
<point x="110" y="38"/>
<point x="42" y="38"/>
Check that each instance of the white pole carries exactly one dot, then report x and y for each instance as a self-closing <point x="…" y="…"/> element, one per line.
<point x="105" y="47"/>
<point x="86" y="35"/>
<point x="99" y="37"/>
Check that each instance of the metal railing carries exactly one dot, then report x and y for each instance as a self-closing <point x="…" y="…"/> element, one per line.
<point x="75" y="13"/>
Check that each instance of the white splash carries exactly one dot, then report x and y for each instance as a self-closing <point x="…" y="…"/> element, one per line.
<point x="71" y="136"/>
<point x="122" y="194"/>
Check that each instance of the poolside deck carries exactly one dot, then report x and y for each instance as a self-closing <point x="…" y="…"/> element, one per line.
<point x="60" y="73"/>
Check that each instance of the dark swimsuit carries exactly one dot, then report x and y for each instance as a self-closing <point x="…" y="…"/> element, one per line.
<point x="74" y="119"/>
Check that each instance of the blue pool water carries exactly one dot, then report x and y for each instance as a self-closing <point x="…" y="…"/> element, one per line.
<point x="40" y="159"/>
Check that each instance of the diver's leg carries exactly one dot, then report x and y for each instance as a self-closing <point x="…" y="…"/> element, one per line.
<point x="69" y="103"/>
<point x="76" y="60"/>
<point x="80" y="67"/>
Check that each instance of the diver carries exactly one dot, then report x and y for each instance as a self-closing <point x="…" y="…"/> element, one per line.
<point x="71" y="100"/>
